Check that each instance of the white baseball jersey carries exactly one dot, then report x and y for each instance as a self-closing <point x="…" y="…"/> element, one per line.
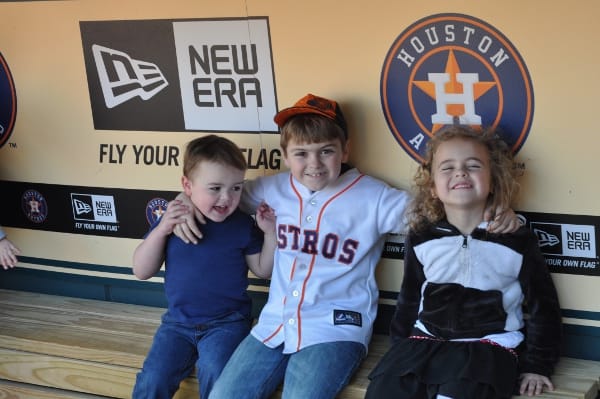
<point x="323" y="286"/>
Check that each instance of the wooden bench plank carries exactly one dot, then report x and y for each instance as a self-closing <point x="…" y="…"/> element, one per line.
<point x="65" y="373"/>
<point x="16" y="390"/>
<point x="579" y="367"/>
<point x="96" y="347"/>
<point x="77" y="375"/>
<point x="9" y="298"/>
<point x="109" y="348"/>
<point x="569" y="387"/>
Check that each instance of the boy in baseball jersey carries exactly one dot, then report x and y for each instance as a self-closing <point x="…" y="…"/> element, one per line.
<point x="332" y="220"/>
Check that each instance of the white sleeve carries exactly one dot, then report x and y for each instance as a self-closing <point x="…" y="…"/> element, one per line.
<point x="252" y="195"/>
<point x="391" y="213"/>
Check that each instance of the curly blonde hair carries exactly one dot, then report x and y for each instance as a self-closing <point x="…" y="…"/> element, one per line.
<point x="426" y="209"/>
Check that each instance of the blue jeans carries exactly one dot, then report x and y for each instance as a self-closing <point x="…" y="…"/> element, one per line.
<point x="177" y="348"/>
<point x="319" y="371"/>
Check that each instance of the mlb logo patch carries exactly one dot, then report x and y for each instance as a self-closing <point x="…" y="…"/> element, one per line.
<point x="348" y="317"/>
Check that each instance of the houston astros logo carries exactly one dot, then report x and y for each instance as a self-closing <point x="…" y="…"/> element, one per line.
<point x="454" y="69"/>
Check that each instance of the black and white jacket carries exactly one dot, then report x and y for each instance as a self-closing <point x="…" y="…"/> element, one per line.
<point x="458" y="287"/>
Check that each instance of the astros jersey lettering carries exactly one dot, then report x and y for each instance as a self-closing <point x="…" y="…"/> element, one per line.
<point x="323" y="287"/>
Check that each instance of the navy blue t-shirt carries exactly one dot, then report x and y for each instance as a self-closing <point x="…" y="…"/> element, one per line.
<point x="209" y="280"/>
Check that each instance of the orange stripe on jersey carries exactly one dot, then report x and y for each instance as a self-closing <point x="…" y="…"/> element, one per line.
<point x="272" y="335"/>
<point x="293" y="270"/>
<point x="342" y="191"/>
<point x="310" y="269"/>
<point x="314" y="257"/>
<point x="299" y="199"/>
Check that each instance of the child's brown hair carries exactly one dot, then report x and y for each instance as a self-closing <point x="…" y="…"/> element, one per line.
<point x="212" y="148"/>
<point x="425" y="209"/>
<point x="310" y="128"/>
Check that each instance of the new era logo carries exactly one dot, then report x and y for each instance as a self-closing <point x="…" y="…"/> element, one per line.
<point x="123" y="78"/>
<point x="546" y="239"/>
<point x="90" y="207"/>
<point x="81" y="207"/>
<point x="566" y="239"/>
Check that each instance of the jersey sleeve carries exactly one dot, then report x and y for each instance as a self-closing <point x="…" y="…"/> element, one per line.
<point x="543" y="329"/>
<point x="391" y="210"/>
<point x="252" y="195"/>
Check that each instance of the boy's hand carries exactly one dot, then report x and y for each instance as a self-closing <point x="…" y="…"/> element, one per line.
<point x="265" y="218"/>
<point x="506" y="221"/>
<point x="187" y="228"/>
<point x="533" y="384"/>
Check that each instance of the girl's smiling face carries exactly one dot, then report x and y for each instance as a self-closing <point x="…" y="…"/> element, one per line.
<point x="461" y="174"/>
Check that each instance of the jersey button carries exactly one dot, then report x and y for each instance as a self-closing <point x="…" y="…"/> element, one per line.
<point x="313" y="202"/>
<point x="309" y="218"/>
<point x="295" y="293"/>
<point x="291" y="322"/>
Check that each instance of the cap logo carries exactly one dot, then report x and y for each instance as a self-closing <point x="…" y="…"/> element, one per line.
<point x="322" y="104"/>
<point x="454" y="69"/>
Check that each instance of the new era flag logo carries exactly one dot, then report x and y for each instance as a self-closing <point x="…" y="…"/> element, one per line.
<point x="123" y="78"/>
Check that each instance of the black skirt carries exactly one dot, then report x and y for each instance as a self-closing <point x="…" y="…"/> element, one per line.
<point x="438" y="366"/>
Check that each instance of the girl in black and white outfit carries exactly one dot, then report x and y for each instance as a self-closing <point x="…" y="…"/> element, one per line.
<point x="459" y="330"/>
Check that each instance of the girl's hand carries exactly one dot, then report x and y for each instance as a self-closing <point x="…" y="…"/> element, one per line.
<point x="533" y="384"/>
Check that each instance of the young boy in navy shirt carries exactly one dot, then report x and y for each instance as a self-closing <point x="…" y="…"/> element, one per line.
<point x="208" y="307"/>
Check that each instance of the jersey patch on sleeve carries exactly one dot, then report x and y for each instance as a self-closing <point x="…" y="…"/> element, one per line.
<point x="347" y="317"/>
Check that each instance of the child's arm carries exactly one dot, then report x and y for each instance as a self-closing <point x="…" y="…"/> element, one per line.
<point x="409" y="298"/>
<point x="149" y="256"/>
<point x="533" y="384"/>
<point x="543" y="328"/>
<point x="261" y="263"/>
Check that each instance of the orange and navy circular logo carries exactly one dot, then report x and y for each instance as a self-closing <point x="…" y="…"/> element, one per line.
<point x="155" y="208"/>
<point x="34" y="206"/>
<point x="8" y="102"/>
<point x="454" y="69"/>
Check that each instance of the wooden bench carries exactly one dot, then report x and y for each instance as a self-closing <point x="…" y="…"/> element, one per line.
<point x="63" y="347"/>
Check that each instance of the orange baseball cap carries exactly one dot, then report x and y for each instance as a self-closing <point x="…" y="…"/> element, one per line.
<point x="311" y="104"/>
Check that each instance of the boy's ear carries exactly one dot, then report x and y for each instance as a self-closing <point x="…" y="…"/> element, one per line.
<point x="187" y="185"/>
<point x="346" y="152"/>
<point x="285" y="159"/>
